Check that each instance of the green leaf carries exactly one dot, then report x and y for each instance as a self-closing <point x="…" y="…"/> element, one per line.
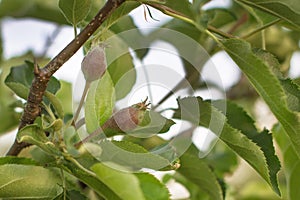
<point x="175" y="8"/>
<point x="288" y="10"/>
<point x="239" y="119"/>
<point x="9" y="118"/>
<point x="99" y="103"/>
<point x="121" y="11"/>
<point x="56" y="104"/>
<point x="136" y="41"/>
<point x="292" y="91"/>
<point x="222" y="160"/>
<point x="65" y="96"/>
<point x="1" y="45"/>
<point x="39" y="9"/>
<point x="90" y="179"/>
<point x="71" y="195"/>
<point x="41" y="156"/>
<point x="132" y="155"/>
<point x="168" y="152"/>
<point x="260" y="16"/>
<point x="20" y="78"/>
<point x="199" y="173"/>
<point x="213" y="119"/>
<point x="75" y="11"/>
<point x="70" y="139"/>
<point x="152" y="188"/>
<point x="267" y="85"/>
<point x="16" y="160"/>
<point x="221" y="17"/>
<point x="120" y="65"/>
<point x="28" y="182"/>
<point x="34" y="135"/>
<point x="124" y="184"/>
<point x="290" y="161"/>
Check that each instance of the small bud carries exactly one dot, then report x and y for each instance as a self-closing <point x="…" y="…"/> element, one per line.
<point x="94" y="64"/>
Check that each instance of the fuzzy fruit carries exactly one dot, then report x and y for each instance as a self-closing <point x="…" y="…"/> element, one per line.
<point x="122" y="121"/>
<point x="94" y="64"/>
<point x="126" y="119"/>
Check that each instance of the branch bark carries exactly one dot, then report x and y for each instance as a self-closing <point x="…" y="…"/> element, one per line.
<point x="42" y="75"/>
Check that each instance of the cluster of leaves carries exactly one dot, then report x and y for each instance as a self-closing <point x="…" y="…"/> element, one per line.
<point x="55" y="169"/>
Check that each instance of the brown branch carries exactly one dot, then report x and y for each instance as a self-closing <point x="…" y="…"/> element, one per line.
<point x="42" y="76"/>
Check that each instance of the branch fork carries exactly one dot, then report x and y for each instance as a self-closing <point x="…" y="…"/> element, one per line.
<point x="43" y="75"/>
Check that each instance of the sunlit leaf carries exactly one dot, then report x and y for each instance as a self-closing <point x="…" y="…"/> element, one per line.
<point x="34" y="135"/>
<point x="267" y="85"/>
<point x="290" y="161"/>
<point x="28" y="182"/>
<point x="288" y="10"/>
<point x="152" y="188"/>
<point x="292" y="91"/>
<point x="126" y="185"/>
<point x="132" y="155"/>
<point x="239" y="119"/>
<point x="99" y="103"/>
<point x="20" y="78"/>
<point x="120" y="66"/>
<point x="90" y="179"/>
<point x="210" y="117"/>
<point x="75" y="10"/>
<point x="64" y="94"/>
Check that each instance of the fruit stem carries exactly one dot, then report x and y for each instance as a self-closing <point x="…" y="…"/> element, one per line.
<point x="86" y="88"/>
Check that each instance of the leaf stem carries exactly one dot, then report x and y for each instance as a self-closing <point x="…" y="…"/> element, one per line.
<point x="261" y="28"/>
<point x="69" y="158"/>
<point x="75" y="31"/>
<point x="43" y="75"/>
<point x="263" y="39"/>
<point x="98" y="131"/>
<point x="212" y="36"/>
<point x="49" y="111"/>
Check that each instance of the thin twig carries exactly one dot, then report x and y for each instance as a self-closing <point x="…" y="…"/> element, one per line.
<point x="219" y="32"/>
<point x="261" y="28"/>
<point x="42" y="75"/>
<point x="238" y="23"/>
<point x="50" y="40"/>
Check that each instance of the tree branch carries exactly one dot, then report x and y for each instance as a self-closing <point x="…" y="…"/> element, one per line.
<point x="42" y="76"/>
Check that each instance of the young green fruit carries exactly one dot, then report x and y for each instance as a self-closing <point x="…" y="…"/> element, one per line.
<point x="94" y="64"/>
<point x="126" y="120"/>
<point x="122" y="121"/>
